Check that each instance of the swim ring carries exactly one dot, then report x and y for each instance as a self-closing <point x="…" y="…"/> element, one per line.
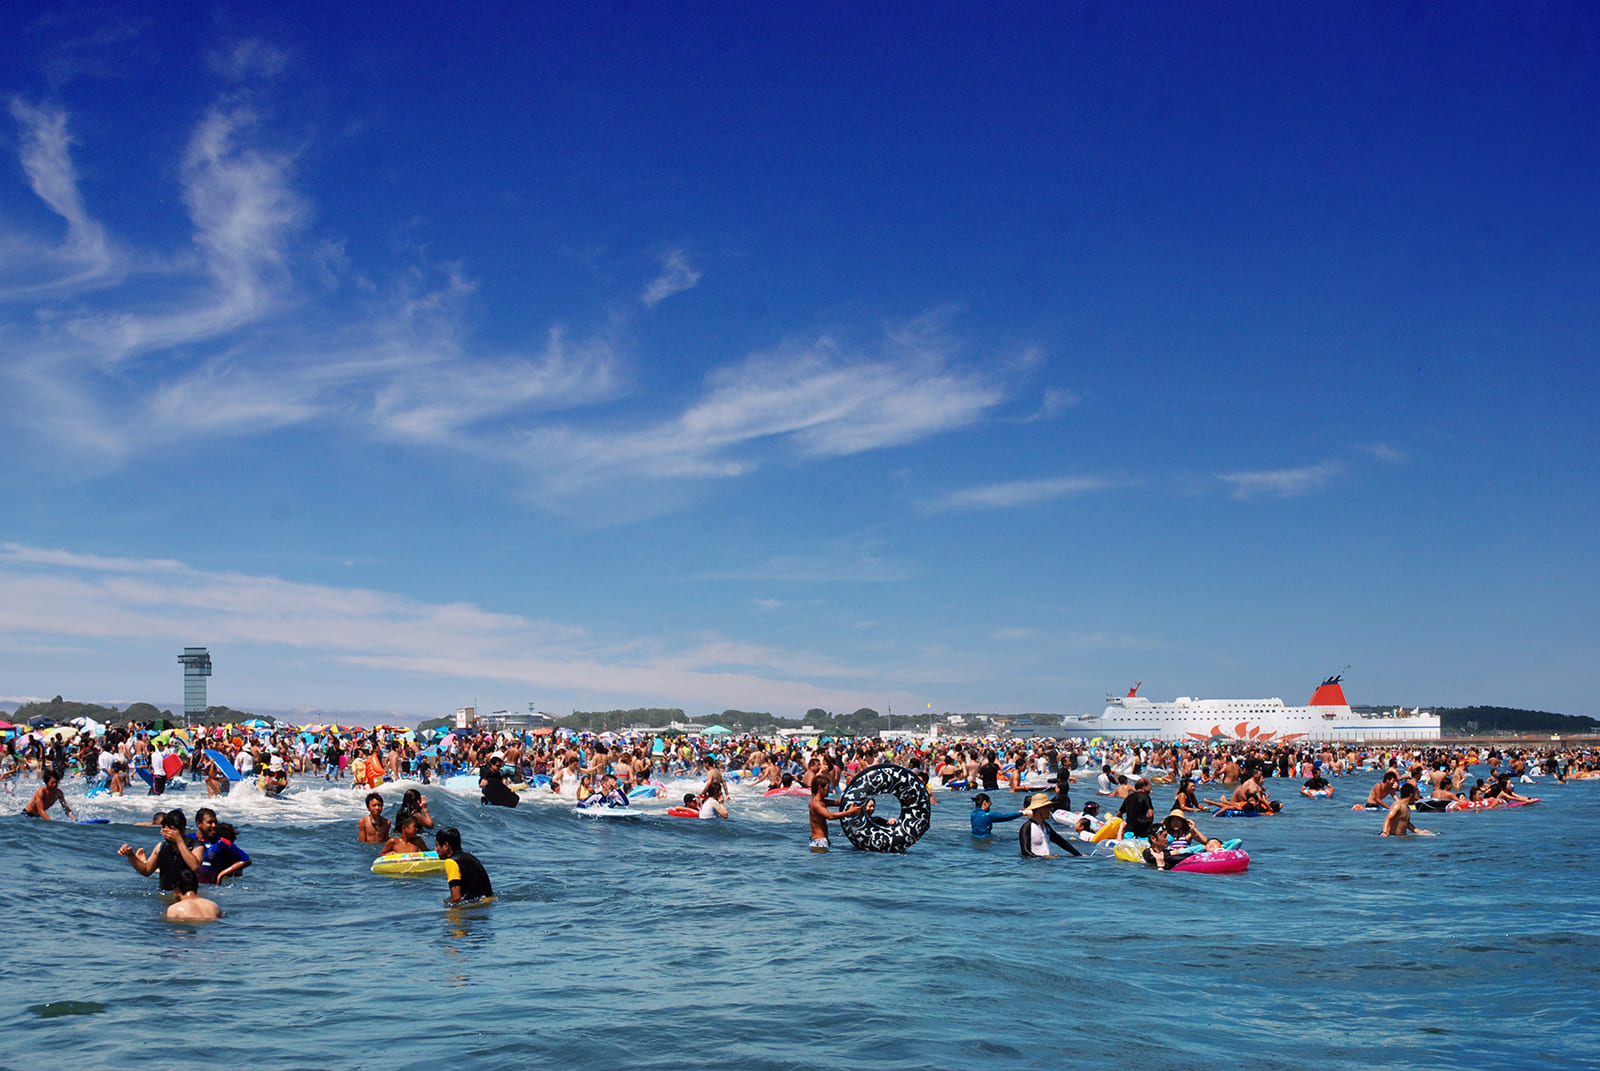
<point x="408" y="864"/>
<point x="1107" y="831"/>
<point x="872" y="833"/>
<point x="1227" y="861"/>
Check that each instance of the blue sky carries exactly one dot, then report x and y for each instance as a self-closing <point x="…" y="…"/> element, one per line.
<point x="616" y="355"/>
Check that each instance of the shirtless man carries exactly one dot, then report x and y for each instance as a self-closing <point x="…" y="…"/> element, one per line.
<point x="713" y="775"/>
<point x="190" y="905"/>
<point x="374" y="827"/>
<point x="1397" y="823"/>
<point x="46" y="796"/>
<point x="1443" y="791"/>
<point x="1383" y="789"/>
<point x="1249" y="796"/>
<point x="821" y="816"/>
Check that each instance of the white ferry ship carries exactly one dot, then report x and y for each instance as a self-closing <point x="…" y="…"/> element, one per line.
<point x="1327" y="717"/>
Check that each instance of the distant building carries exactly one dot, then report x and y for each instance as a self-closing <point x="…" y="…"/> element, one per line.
<point x="196" y="668"/>
<point x="515" y="720"/>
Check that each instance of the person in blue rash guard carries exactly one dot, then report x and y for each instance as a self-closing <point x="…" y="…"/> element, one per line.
<point x="983" y="820"/>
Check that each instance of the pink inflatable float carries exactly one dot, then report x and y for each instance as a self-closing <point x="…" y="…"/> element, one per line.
<point x="1227" y="861"/>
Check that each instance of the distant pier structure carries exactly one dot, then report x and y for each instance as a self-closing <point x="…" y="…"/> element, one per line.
<point x="196" y="668"/>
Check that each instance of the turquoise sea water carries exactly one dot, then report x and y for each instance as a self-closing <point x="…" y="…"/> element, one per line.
<point x="675" y="943"/>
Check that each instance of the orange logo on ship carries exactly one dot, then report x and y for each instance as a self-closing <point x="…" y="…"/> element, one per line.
<point x="1244" y="731"/>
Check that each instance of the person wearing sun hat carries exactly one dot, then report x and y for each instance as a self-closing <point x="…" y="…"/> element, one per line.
<point x="1179" y="826"/>
<point x="1036" y="836"/>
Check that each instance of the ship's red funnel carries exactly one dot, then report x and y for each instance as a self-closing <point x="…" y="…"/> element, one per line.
<point x="1329" y="694"/>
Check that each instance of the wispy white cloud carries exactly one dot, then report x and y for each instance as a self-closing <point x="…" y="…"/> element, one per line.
<point x="677" y="275"/>
<point x="1385" y="452"/>
<point x="259" y="324"/>
<point x="57" y="593"/>
<point x="250" y="58"/>
<point x="1011" y="634"/>
<point x="84" y="256"/>
<point x="19" y="554"/>
<point x="1014" y="493"/>
<point x="1052" y="404"/>
<point x="814" y="400"/>
<point x="1281" y="483"/>
<point x="245" y="216"/>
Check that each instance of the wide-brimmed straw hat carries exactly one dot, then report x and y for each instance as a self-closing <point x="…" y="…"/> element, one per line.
<point x="1037" y="800"/>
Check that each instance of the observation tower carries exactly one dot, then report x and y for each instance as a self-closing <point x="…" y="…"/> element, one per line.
<point x="196" y="668"/>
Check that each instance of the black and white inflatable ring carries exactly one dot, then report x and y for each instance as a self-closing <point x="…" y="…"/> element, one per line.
<point x="874" y="833"/>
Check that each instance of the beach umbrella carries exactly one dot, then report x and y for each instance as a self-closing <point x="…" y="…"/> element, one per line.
<point x="40" y="722"/>
<point x="6" y="725"/>
<point x="255" y="723"/>
<point x="59" y="732"/>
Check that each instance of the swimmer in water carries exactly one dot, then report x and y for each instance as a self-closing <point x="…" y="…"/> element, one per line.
<point x="415" y="802"/>
<point x="714" y="805"/>
<point x="46" y="796"/>
<point x="374" y="827"/>
<point x="1160" y="854"/>
<point x="1397" y="823"/>
<point x="190" y="905"/>
<point x="1383" y="789"/>
<point x="1035" y="835"/>
<point x="407" y="837"/>
<point x="821" y="816"/>
<point x="983" y="820"/>
<point x="468" y="880"/>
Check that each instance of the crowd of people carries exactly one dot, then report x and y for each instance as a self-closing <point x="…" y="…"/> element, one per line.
<point x="1119" y="781"/>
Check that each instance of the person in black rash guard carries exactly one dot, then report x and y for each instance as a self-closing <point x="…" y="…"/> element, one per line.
<point x="468" y="880"/>
<point x="1036" y="836"/>
<point x="1063" y="800"/>
<point x="164" y="860"/>
<point x="1137" y="812"/>
<point x="492" y="780"/>
<point x="989" y="772"/>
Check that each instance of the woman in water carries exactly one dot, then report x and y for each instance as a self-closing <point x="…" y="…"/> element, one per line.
<point x="414" y="802"/>
<point x="1186" y="799"/>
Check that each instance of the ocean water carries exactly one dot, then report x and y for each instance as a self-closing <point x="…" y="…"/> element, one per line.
<point x="675" y="943"/>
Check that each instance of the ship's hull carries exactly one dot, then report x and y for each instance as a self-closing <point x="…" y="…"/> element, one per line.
<point x="1265" y="721"/>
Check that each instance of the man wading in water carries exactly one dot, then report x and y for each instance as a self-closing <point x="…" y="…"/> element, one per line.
<point x="821" y="816"/>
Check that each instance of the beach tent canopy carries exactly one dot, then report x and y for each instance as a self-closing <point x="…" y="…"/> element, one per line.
<point x="41" y="722"/>
<point x="715" y="730"/>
